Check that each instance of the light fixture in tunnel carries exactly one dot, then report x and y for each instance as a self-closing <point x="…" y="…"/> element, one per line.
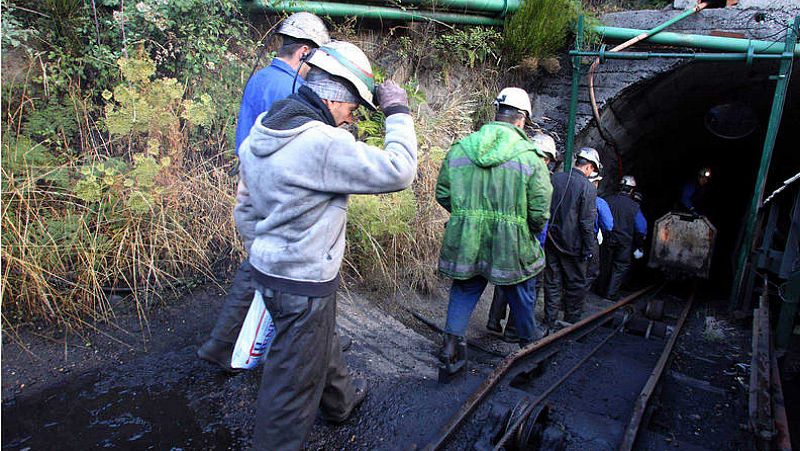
<point x="731" y="120"/>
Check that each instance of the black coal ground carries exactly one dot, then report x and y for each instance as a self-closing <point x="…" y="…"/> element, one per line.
<point x="93" y="391"/>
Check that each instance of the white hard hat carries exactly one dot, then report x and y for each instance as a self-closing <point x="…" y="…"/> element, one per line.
<point x="589" y="154"/>
<point x="515" y="98"/>
<point x="546" y="145"/>
<point x="346" y="60"/>
<point x="306" y="26"/>
<point x="628" y="181"/>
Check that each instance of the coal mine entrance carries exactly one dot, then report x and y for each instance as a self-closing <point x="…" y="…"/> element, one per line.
<point x="701" y="115"/>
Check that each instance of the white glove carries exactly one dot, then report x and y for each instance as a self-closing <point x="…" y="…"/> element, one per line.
<point x="637" y="254"/>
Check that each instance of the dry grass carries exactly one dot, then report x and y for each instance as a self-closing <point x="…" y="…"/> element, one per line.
<point x="67" y="261"/>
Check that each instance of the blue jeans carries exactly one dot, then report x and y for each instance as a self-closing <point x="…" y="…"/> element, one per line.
<point x="521" y="297"/>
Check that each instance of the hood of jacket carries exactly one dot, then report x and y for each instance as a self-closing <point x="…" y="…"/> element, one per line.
<point x="286" y="119"/>
<point x="495" y="143"/>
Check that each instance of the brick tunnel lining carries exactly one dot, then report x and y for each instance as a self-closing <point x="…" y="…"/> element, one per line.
<point x="662" y="139"/>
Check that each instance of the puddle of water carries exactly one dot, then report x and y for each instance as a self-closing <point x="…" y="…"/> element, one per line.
<point x="129" y="418"/>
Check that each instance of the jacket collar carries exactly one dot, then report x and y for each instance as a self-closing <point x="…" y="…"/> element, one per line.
<point x="283" y="66"/>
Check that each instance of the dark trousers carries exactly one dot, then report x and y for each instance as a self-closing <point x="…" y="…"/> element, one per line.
<point x="593" y="267"/>
<point x="237" y="302"/>
<point x="464" y="295"/>
<point x="304" y="372"/>
<point x="564" y="285"/>
<point x="619" y="264"/>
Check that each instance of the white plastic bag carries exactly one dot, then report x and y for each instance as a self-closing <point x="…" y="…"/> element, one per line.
<point x="256" y="336"/>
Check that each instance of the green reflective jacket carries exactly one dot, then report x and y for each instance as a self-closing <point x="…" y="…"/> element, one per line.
<point x="497" y="189"/>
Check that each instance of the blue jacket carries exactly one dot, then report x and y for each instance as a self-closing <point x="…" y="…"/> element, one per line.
<point x="269" y="84"/>
<point x="605" y="220"/>
<point x="640" y="224"/>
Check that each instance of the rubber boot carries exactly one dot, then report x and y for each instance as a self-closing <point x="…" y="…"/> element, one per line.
<point x="510" y="334"/>
<point x="453" y="357"/>
<point x="497" y="312"/>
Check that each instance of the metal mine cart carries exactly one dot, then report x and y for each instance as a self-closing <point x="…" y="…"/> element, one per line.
<point x="683" y="245"/>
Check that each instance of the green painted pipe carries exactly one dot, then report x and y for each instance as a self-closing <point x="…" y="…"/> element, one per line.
<point x="696" y="40"/>
<point x="373" y="12"/>
<point x="495" y="6"/>
<point x="694" y="56"/>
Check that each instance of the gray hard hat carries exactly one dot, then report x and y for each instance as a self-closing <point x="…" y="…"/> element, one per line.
<point x="305" y="26"/>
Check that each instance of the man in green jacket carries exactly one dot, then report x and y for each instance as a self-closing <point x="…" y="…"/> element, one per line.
<point x="497" y="189"/>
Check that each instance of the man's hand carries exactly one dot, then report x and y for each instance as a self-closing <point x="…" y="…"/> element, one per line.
<point x="389" y="95"/>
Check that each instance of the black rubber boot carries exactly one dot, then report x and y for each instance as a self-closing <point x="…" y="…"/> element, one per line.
<point x="510" y="335"/>
<point x="496" y="313"/>
<point x="453" y="357"/>
<point x="219" y="353"/>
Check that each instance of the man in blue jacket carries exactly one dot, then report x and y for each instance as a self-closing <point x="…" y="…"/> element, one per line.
<point x="301" y="32"/>
<point x="630" y="231"/>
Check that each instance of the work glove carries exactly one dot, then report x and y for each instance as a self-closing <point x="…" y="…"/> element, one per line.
<point x="638" y="253"/>
<point x="392" y="98"/>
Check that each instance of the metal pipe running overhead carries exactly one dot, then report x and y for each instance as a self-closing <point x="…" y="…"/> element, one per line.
<point x="697" y="41"/>
<point x="501" y="7"/>
<point x="373" y="12"/>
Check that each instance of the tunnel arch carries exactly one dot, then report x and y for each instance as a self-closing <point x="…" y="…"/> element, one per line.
<point x="658" y="126"/>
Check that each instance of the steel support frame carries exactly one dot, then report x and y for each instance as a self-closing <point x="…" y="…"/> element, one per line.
<point x="783" y="76"/>
<point x="784" y="73"/>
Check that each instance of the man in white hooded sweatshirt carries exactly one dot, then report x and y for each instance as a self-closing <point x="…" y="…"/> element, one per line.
<point x="298" y="169"/>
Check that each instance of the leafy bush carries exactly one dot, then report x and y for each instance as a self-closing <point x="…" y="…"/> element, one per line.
<point x="539" y="28"/>
<point x="457" y="47"/>
<point x="137" y="218"/>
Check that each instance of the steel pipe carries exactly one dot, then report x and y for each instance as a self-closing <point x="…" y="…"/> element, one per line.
<point x="495" y="6"/>
<point x="697" y="41"/>
<point x="372" y="12"/>
<point x="604" y="55"/>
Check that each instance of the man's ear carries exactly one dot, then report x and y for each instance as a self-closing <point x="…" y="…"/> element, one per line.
<point x="305" y="52"/>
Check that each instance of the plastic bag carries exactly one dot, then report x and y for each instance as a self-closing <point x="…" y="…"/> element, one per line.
<point x="256" y="336"/>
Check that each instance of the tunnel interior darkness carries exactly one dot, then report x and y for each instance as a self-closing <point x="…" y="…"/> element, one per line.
<point x="663" y="140"/>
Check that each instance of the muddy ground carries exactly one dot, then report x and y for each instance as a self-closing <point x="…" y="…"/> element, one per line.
<point x="145" y="388"/>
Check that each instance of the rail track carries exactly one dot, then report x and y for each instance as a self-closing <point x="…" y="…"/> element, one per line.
<point x="595" y="377"/>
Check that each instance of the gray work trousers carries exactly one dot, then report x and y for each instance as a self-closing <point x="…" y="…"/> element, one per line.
<point x="237" y="302"/>
<point x="564" y="286"/>
<point x="304" y="372"/>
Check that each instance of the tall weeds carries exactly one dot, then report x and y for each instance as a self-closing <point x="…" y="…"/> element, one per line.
<point x="86" y="235"/>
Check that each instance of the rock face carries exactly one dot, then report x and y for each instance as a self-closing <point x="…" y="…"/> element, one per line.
<point x="634" y="97"/>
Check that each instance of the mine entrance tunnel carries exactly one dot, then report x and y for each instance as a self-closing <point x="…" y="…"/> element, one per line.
<point x="667" y="128"/>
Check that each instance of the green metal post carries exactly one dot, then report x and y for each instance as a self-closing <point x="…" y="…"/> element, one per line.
<point x="697" y="40"/>
<point x="769" y="143"/>
<point x="573" y="100"/>
<point x="374" y="12"/>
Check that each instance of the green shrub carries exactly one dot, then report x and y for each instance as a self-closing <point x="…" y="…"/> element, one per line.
<point x="539" y="28"/>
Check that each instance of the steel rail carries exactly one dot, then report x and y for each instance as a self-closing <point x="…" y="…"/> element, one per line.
<point x="632" y="430"/>
<point x="512" y="429"/>
<point x="505" y="365"/>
